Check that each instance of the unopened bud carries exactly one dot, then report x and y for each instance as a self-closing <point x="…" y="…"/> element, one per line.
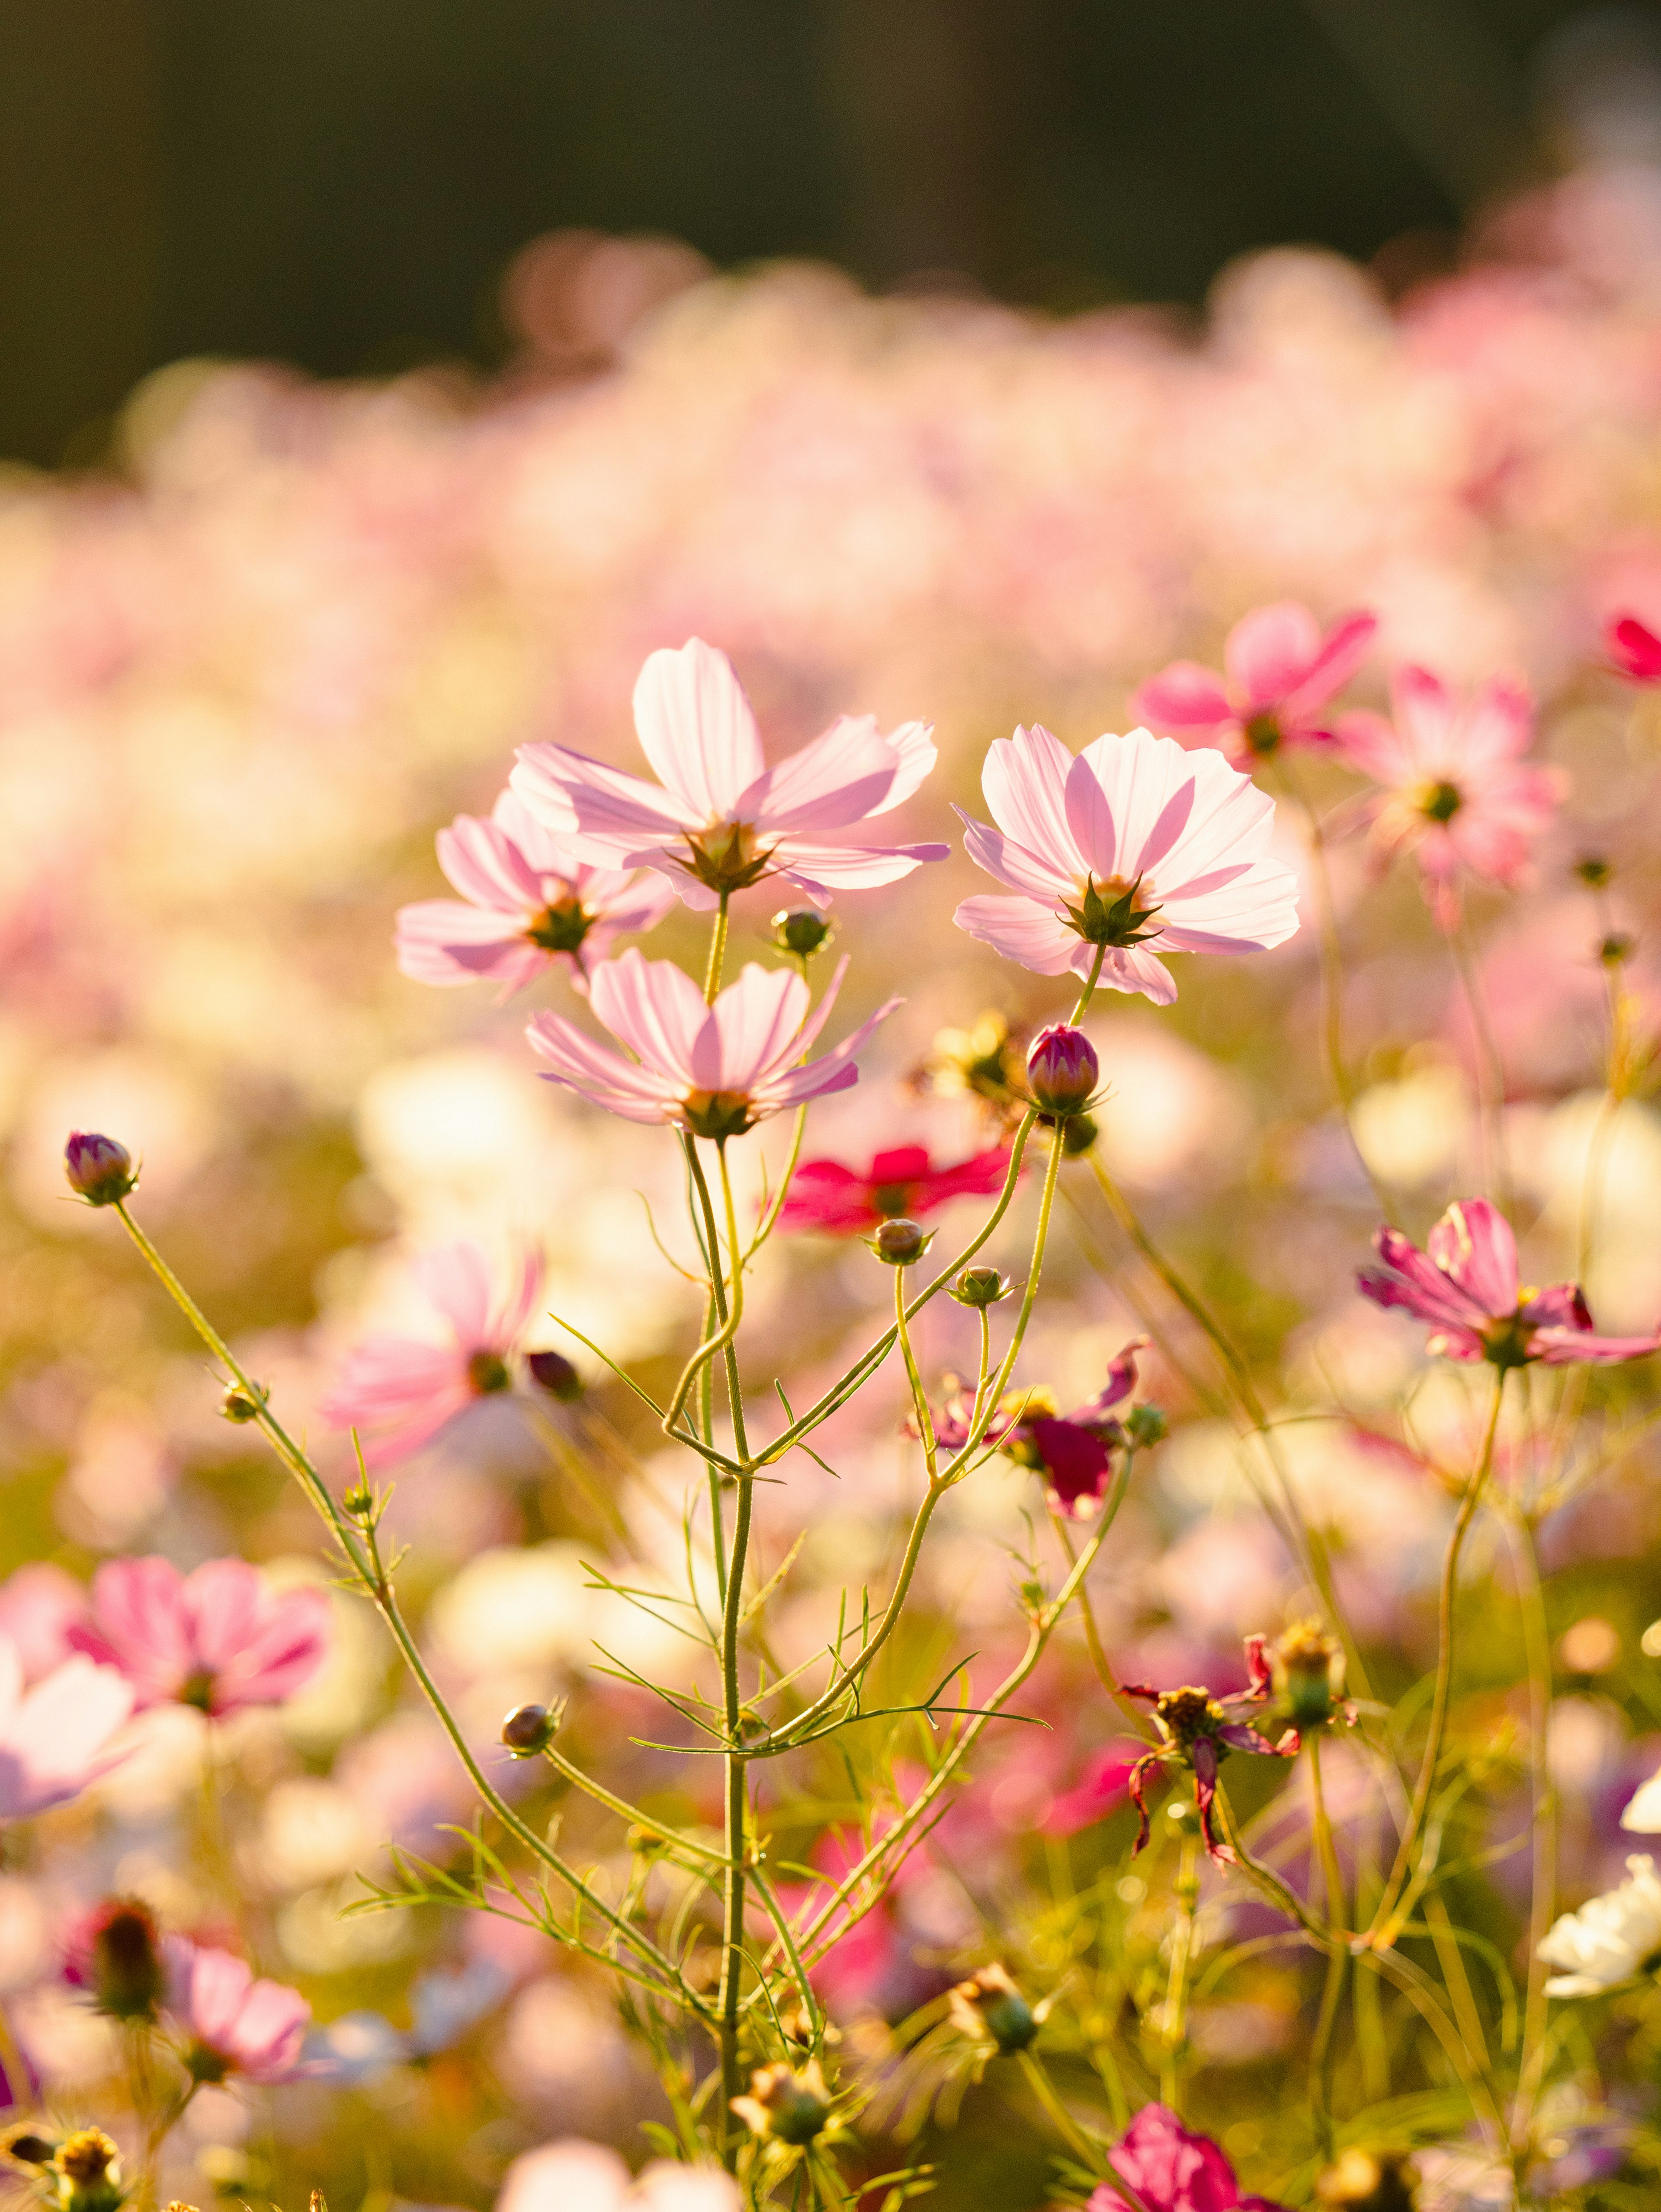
<point x="242" y="1406"/>
<point x="98" y="1168"/>
<point x="899" y="1243"/>
<point x="359" y="1501"/>
<point x="116" y="1955"/>
<point x="1308" y="1667"/>
<point x="1368" y="2181"/>
<point x="1145" y="1427"/>
<point x="980" y="1286"/>
<point x="791" y="2108"/>
<point x="89" y="2167"/>
<point x="555" y="1374"/>
<point x="989" y="2006"/>
<point x="801" y="931"/>
<point x="529" y="1729"/>
<point x="1061" y="1071"/>
<point x="1079" y="1133"/>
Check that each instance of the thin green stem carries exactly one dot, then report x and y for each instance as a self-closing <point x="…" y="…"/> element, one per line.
<point x="1065" y="2126"/>
<point x="1173" y="2030"/>
<point x="729" y="1303"/>
<point x="919" y="1395"/>
<point x="717" y="952"/>
<point x="1543" y="1903"/>
<point x="1321" y="2051"/>
<point x="736" y="1839"/>
<point x="1491" y="1070"/>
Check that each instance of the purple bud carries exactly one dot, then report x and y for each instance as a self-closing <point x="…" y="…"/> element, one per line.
<point x="555" y="1374"/>
<point x="99" y="1170"/>
<point x="529" y="1729"/>
<point x="901" y="1241"/>
<point x="1062" y="1070"/>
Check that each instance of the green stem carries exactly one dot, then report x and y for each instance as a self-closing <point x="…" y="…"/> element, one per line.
<point x="736" y="1839"/>
<point x="919" y="1395"/>
<point x="1491" y="1070"/>
<point x="1542" y="1904"/>
<point x="717" y="953"/>
<point x="1320" y="2052"/>
<point x="1044" y="2090"/>
<point x="1174" y="2029"/>
<point x="730" y="1307"/>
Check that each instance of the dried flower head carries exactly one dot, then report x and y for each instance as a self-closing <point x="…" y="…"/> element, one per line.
<point x="791" y="2108"/>
<point x="989" y="2007"/>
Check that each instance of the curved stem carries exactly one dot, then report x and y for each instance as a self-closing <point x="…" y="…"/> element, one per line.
<point x="1065" y="2126"/>
<point x="729" y="1305"/>
<point x="919" y="1395"/>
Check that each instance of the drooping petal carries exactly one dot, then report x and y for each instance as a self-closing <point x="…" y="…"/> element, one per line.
<point x="1569" y="1347"/>
<point x="1132" y="969"/>
<point x="696" y="728"/>
<point x="1120" y="1383"/>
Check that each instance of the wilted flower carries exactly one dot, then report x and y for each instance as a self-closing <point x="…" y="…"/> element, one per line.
<point x="55" y="1738"/>
<point x="792" y="2108"/>
<point x="98" y="1168"/>
<point x="842" y="1201"/>
<point x="85" y="2170"/>
<point x="1071" y="1452"/>
<point x="1610" y="1939"/>
<point x="1308" y="1670"/>
<point x="217" y="1639"/>
<point x="989" y="2007"/>
<point x="235" y="2025"/>
<point x="1198" y="1733"/>
<point x="1281" y="674"/>
<point x="1172" y="2171"/>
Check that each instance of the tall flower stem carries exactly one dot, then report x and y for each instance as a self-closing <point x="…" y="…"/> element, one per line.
<point x="1542" y="1903"/>
<point x="1321" y="2050"/>
<point x="1174" y="2021"/>
<point x="736" y="1839"/>
<point x="717" y="953"/>
<point x="1038" y="2081"/>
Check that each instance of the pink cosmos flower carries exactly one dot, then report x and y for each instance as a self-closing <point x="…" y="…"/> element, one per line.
<point x="406" y="1388"/>
<point x="526" y="901"/>
<point x="1458" y="791"/>
<point x="217" y="1639"/>
<point x="1281" y="674"/>
<point x="714" y="1070"/>
<point x="719" y="818"/>
<point x="1465" y="1284"/>
<point x="54" y="1739"/>
<point x="845" y="1201"/>
<point x="1634" y="649"/>
<point x="1172" y="2171"/>
<point x="1103" y="1787"/>
<point x="236" y="2024"/>
<point x="1197" y="1733"/>
<point x="1135" y="846"/>
<point x="1073" y="1453"/>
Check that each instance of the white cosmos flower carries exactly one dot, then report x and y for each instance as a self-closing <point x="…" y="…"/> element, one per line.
<point x="1611" y="1938"/>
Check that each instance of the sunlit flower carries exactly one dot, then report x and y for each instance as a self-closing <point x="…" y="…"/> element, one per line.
<point x="235" y="2026"/>
<point x="526" y="901"/>
<point x="1610" y="1939"/>
<point x="403" y="1389"/>
<point x="719" y="818"/>
<point x="1466" y="1285"/>
<point x="1634" y="649"/>
<point x="1197" y="1732"/>
<point x="716" y="1070"/>
<point x="845" y="1202"/>
<point x="1281" y="673"/>
<point x="1074" y="1452"/>
<point x="1169" y="2170"/>
<point x="1135" y="847"/>
<point x="55" y="1738"/>
<point x="1457" y="793"/>
<point x="217" y="1639"/>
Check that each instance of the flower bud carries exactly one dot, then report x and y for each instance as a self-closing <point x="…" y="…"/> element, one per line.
<point x="99" y="1170"/>
<point x="555" y="1374"/>
<point x="801" y="931"/>
<point x="116" y="1955"/>
<point x="88" y="2166"/>
<point x="1368" y="2181"/>
<point x="898" y="1244"/>
<point x="980" y="1286"/>
<point x="989" y="2006"/>
<point x="529" y="1729"/>
<point x="791" y="2108"/>
<point x="1308" y="1667"/>
<point x="1146" y="1426"/>
<point x="240" y="1406"/>
<point x="1061" y="1071"/>
<point x="359" y="1501"/>
<point x="1079" y="1133"/>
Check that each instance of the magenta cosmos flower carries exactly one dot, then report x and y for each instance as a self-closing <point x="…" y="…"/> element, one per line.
<point x="1072" y="1452"/>
<point x="1457" y="791"/>
<point x="237" y="2026"/>
<point x="54" y="1738"/>
<point x="1634" y="649"/>
<point x="719" y="818"/>
<point x="1465" y="1285"/>
<point x="1281" y="675"/>
<point x="217" y="1639"/>
<point x="403" y="1389"/>
<point x="904" y="1181"/>
<point x="1197" y="1732"/>
<point x="526" y="901"/>
<point x="1136" y="847"/>
<point x="714" y="1070"/>
<point x="1172" y="2171"/>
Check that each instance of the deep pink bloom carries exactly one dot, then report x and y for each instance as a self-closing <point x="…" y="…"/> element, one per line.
<point x="1197" y="1732"/>
<point x="904" y="1181"/>
<point x="54" y="1739"/>
<point x="719" y="818"/>
<point x="1136" y="846"/>
<point x="1172" y="2171"/>
<point x="215" y="1638"/>
<point x="1458" y="791"/>
<point x="529" y="901"/>
<point x="1634" y="649"/>
<point x="406" y="1389"/>
<point x="254" y="2030"/>
<point x="98" y="1168"/>
<point x="1281" y="673"/>
<point x="714" y="1070"/>
<point x="1074" y="1452"/>
<point x="1466" y="1285"/>
<point x="1063" y="1069"/>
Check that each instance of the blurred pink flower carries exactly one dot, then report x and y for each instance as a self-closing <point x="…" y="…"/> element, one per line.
<point x="529" y="901"/>
<point x="716" y="1070"/>
<point x="215" y="1638"/>
<point x="406" y="1389"/>
<point x="1281" y="674"/>
<point x="1634" y="649"/>
<point x="720" y="819"/>
<point x="1466" y="1285"/>
<point x="237" y="2026"/>
<point x="1169" y="2170"/>
<point x="1458" y="791"/>
<point x="38" y="1605"/>
<point x="1103" y="1787"/>
<point x="54" y="1738"/>
<point x="842" y="1201"/>
<point x="1134" y="845"/>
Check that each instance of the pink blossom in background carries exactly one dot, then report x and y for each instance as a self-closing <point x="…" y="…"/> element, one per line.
<point x="719" y="818"/>
<point x="55" y="1738"/>
<point x="842" y="1201"/>
<point x="716" y="1070"/>
<point x="1457" y="793"/>
<point x="237" y="2026"/>
<point x="38" y="1605"/>
<point x="1100" y="1790"/>
<point x="1466" y="1285"/>
<point x="401" y="1391"/>
<point x="1169" y="2170"/>
<point x="527" y="902"/>
<point x="1633" y="650"/>
<point x="217" y="1639"/>
<point x="1136" y="844"/>
<point x="574" y="2176"/>
<point x="1281" y="673"/>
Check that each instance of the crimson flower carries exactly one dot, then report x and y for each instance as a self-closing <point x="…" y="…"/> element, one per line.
<point x="1634" y="649"/>
<point x="1172" y="2171"/>
<point x="904" y="1181"/>
<point x="1197" y="1732"/>
<point x="1072" y="1452"/>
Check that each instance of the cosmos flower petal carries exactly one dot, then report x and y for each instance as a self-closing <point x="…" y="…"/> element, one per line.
<point x="1024" y="782"/>
<point x="696" y="728"/>
<point x="1187" y="703"/>
<point x="654" y="1008"/>
<point x="1021" y="930"/>
<point x="1268" y="653"/>
<point x="1473" y="1244"/>
<point x="840" y="778"/>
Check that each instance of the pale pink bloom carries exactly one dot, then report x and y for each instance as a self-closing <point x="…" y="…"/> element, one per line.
<point x="39" y="1604"/>
<point x="254" y="2030"/>
<point x="529" y="901"/>
<point x="1458" y="791"/>
<point x="217" y="1639"/>
<point x="719" y="818"/>
<point x="714" y="1070"/>
<point x="54" y="1739"/>
<point x="408" y="1388"/>
<point x="1281" y="675"/>
<point x="572" y="2176"/>
<point x="1466" y="1285"/>
<point x="1136" y="844"/>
